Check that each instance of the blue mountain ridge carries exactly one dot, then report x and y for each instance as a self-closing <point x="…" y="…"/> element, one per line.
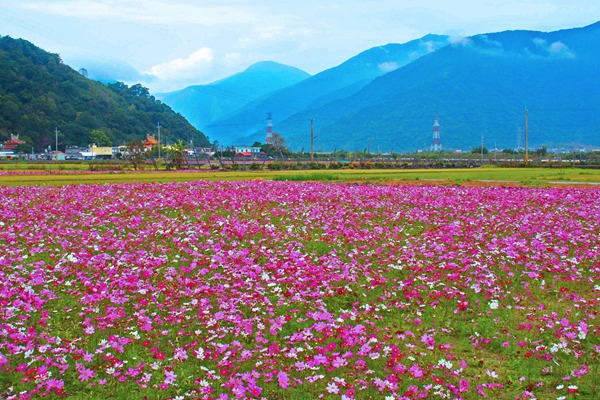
<point x="335" y="83"/>
<point x="202" y="104"/>
<point x="478" y="86"/>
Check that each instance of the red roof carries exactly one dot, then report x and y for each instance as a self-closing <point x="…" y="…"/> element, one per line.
<point x="150" y="141"/>
<point x="13" y="142"/>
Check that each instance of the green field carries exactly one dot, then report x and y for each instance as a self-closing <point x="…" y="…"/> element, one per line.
<point x="524" y="176"/>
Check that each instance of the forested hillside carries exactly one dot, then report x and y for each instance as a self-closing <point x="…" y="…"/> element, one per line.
<point x="39" y="94"/>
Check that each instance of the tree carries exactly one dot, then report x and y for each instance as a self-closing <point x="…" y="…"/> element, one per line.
<point x="99" y="138"/>
<point x="478" y="150"/>
<point x="139" y="90"/>
<point x="136" y="155"/>
<point x="541" y="151"/>
<point x="25" y="147"/>
<point x="177" y="154"/>
<point x="278" y="143"/>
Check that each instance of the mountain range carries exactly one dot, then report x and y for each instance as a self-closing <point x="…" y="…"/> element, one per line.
<point x="479" y="87"/>
<point x="336" y="83"/>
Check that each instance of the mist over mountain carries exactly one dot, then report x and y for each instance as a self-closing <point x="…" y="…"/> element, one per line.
<point x="203" y="104"/>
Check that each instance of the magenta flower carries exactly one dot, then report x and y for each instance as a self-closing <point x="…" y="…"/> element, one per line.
<point x="311" y="287"/>
<point x="85" y="374"/>
<point x="170" y="377"/>
<point x="283" y="379"/>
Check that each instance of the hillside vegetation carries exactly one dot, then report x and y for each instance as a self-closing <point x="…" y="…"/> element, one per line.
<point x="38" y="94"/>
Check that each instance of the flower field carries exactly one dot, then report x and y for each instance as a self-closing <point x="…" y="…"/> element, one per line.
<point x="281" y="290"/>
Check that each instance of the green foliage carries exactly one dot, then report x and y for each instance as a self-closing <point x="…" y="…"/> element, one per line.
<point x="541" y="151"/>
<point x="39" y="93"/>
<point x="317" y="176"/>
<point x="177" y="154"/>
<point x="99" y="138"/>
<point x="479" y="150"/>
<point x="26" y="146"/>
<point x="136" y="155"/>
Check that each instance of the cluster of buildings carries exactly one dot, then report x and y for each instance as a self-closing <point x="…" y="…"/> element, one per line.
<point x="92" y="152"/>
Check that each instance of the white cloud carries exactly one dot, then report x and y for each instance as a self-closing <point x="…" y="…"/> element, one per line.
<point x="559" y="49"/>
<point x="493" y="44"/>
<point x="148" y="11"/>
<point x="428" y="45"/>
<point x="180" y="68"/>
<point x="388" y="66"/>
<point x="270" y="31"/>
<point x="554" y="50"/>
<point x="460" y="41"/>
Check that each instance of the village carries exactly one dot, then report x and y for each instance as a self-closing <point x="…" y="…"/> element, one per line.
<point x="9" y="150"/>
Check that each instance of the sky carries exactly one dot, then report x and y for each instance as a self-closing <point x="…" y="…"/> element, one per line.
<point x="168" y="45"/>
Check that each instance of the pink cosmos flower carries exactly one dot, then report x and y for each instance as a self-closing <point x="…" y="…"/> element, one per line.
<point x="85" y="374"/>
<point x="170" y="377"/>
<point x="283" y="379"/>
<point x="416" y="371"/>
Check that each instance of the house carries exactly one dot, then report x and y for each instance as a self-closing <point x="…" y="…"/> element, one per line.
<point x="150" y="142"/>
<point x="204" y="150"/>
<point x="13" y="142"/>
<point x="99" y="153"/>
<point x="56" y="155"/>
<point x="246" y="149"/>
<point x="74" y="153"/>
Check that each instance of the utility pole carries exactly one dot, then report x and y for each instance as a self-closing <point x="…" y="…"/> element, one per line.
<point x="312" y="139"/>
<point x="526" y="136"/>
<point x="56" y="139"/>
<point x="495" y="153"/>
<point x="158" y="128"/>
<point x="482" y="149"/>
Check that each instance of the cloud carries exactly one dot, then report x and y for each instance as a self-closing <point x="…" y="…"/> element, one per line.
<point x="107" y="70"/>
<point x="561" y="50"/>
<point x="554" y="50"/>
<point x="148" y="11"/>
<point x="428" y="45"/>
<point x="388" y="66"/>
<point x="232" y="57"/>
<point x="180" y="68"/>
<point x="460" y="41"/>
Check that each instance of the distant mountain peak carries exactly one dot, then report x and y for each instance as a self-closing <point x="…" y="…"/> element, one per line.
<point x="202" y="104"/>
<point x="269" y="66"/>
